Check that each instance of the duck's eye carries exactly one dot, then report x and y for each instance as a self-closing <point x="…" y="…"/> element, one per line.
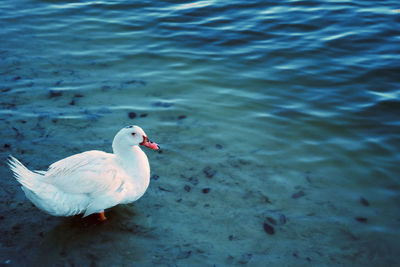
<point x="133" y="134"/>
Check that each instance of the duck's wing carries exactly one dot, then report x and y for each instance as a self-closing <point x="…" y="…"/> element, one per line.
<point x="89" y="172"/>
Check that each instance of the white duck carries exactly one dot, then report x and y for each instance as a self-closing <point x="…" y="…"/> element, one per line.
<point x="92" y="181"/>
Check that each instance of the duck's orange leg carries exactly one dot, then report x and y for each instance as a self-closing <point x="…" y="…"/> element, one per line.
<point x="102" y="217"/>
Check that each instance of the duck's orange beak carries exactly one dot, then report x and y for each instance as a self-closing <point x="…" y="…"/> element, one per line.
<point x="147" y="143"/>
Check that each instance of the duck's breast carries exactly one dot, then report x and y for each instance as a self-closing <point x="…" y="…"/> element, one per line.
<point x="138" y="170"/>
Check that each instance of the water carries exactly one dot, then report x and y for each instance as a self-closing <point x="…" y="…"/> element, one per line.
<point x="278" y="123"/>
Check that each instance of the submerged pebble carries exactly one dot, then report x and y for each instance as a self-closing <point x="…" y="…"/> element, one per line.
<point x="181" y="117"/>
<point x="218" y="146"/>
<point x="164" y="189"/>
<point x="53" y="93"/>
<point x="209" y="172"/>
<point x="132" y="115"/>
<point x="194" y="180"/>
<point x="267" y="200"/>
<point x="298" y="194"/>
<point x="361" y="219"/>
<point x="269" y="229"/>
<point x="206" y="190"/>
<point x="162" y="104"/>
<point x="187" y="188"/>
<point x="244" y="162"/>
<point x="364" y="201"/>
<point x="155" y="177"/>
<point x="143" y="115"/>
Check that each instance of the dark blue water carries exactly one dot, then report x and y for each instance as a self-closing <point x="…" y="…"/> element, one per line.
<point x="279" y="123"/>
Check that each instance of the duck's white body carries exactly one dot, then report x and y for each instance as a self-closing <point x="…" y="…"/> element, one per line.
<point x="91" y="181"/>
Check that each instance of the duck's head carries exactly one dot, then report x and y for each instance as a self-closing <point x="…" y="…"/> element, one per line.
<point x="132" y="136"/>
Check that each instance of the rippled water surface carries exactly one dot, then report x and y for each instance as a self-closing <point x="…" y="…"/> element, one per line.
<point x="278" y="122"/>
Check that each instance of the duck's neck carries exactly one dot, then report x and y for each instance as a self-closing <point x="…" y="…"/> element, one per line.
<point x="136" y="165"/>
<point x="125" y="153"/>
<point x="132" y="159"/>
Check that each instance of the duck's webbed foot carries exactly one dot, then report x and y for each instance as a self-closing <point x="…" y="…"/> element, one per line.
<point x="102" y="217"/>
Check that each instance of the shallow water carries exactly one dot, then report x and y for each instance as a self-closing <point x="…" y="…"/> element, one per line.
<point x="278" y="124"/>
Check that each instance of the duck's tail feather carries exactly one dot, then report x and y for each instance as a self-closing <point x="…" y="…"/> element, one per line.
<point x="29" y="180"/>
<point x="44" y="195"/>
<point x="24" y="176"/>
